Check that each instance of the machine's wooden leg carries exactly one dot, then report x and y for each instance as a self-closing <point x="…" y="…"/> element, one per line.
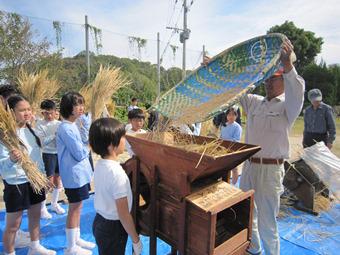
<point x="182" y="215"/>
<point x="153" y="214"/>
<point x="181" y="228"/>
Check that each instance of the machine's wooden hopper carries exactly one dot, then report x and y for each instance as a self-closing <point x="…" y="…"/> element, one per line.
<point x="172" y="162"/>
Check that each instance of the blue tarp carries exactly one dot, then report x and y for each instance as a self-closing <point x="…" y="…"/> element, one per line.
<point x="301" y="233"/>
<point x="320" y="234"/>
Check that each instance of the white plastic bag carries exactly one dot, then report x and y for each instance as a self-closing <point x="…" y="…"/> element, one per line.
<point x="325" y="164"/>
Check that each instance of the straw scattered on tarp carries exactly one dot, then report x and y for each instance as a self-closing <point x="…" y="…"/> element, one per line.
<point x="321" y="203"/>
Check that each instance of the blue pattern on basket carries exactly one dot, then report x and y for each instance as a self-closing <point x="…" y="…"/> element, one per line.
<point x="233" y="71"/>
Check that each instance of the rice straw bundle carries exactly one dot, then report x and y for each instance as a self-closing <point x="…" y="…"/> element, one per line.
<point x="10" y="139"/>
<point x="106" y="83"/>
<point x="86" y="92"/>
<point x="111" y="107"/>
<point x="37" y="87"/>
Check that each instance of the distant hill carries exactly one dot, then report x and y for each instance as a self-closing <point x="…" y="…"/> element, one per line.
<point x="143" y="75"/>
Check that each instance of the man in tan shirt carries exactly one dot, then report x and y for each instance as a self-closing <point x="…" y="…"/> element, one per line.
<point x="269" y="120"/>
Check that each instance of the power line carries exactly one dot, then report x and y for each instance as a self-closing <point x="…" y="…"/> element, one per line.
<point x="198" y="59"/>
<point x="40" y="18"/>
<point x="172" y="14"/>
<point x="172" y="34"/>
<point x="75" y="24"/>
<point x="82" y="25"/>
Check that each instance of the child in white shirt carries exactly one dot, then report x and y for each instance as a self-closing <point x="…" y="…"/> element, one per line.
<point x="113" y="197"/>
<point x="136" y="119"/>
<point x="18" y="192"/>
<point x="46" y="130"/>
<point x="134" y="104"/>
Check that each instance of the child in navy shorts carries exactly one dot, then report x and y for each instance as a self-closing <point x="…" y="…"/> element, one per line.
<point x="47" y="130"/>
<point x="74" y="169"/>
<point x="22" y="238"/>
<point x="18" y="192"/>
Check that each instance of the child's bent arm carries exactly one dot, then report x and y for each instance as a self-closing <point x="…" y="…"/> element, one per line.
<point x="76" y="148"/>
<point x="45" y="139"/>
<point x="126" y="218"/>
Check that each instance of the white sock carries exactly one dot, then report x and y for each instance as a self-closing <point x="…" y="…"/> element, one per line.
<point x="12" y="253"/>
<point x="35" y="244"/>
<point x="55" y="196"/>
<point x="78" y="234"/>
<point x="71" y="237"/>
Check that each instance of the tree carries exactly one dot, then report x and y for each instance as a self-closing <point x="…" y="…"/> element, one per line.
<point x="306" y="44"/>
<point x="18" y="46"/>
<point x="335" y="70"/>
<point x="170" y="77"/>
<point x="321" y="77"/>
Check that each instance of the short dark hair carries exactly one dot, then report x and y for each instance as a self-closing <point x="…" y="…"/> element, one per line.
<point x="68" y="101"/>
<point x="134" y="99"/>
<point x="232" y="110"/>
<point x="8" y="90"/>
<point x="13" y="100"/>
<point x="48" y="104"/>
<point x="136" y="114"/>
<point x="103" y="133"/>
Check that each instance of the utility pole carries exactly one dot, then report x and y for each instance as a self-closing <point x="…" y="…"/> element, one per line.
<point x="87" y="48"/>
<point x="203" y="53"/>
<point x="158" y="68"/>
<point x="184" y="35"/>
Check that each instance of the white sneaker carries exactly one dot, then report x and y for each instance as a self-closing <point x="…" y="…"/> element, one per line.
<point x="58" y="209"/>
<point x="22" y="239"/>
<point x="45" y="214"/>
<point x="85" y="244"/>
<point x="41" y="250"/>
<point x="77" y="250"/>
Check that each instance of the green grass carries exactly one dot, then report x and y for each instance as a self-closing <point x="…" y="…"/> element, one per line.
<point x="297" y="129"/>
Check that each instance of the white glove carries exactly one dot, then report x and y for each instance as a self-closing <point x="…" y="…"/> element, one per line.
<point x="137" y="247"/>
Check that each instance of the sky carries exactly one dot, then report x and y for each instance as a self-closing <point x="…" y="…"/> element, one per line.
<point x="217" y="24"/>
